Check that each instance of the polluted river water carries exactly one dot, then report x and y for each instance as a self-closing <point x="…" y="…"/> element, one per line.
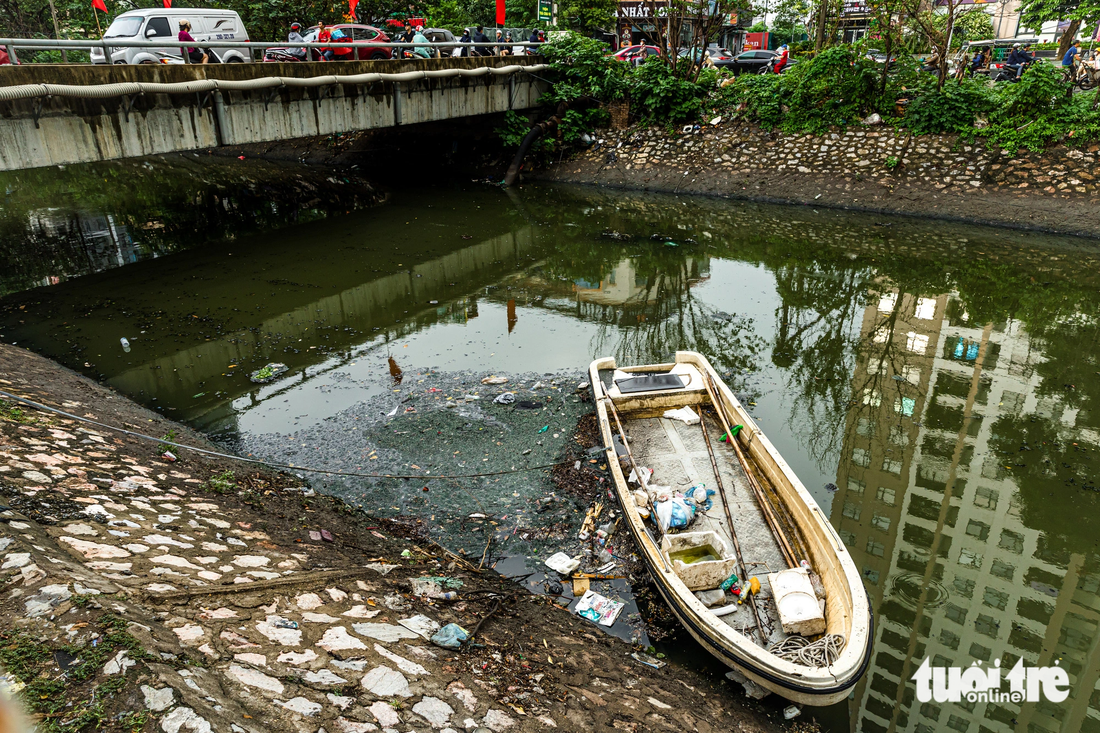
<point x="935" y="386"/>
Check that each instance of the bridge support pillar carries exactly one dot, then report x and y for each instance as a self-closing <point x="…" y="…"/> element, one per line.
<point x="221" y="121"/>
<point x="396" y="104"/>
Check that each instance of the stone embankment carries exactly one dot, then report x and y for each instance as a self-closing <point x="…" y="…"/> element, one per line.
<point x="870" y="168"/>
<point x="141" y="594"/>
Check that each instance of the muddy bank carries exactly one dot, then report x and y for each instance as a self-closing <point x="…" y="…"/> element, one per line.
<point x="202" y="594"/>
<point x="872" y="169"/>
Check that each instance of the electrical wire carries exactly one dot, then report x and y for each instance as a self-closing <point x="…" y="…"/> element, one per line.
<point x="270" y="464"/>
<point x="800" y="650"/>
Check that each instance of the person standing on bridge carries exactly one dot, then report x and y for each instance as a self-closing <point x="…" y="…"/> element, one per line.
<point x="324" y="35"/>
<point x="466" y="38"/>
<point x="480" y="37"/>
<point x="194" y="55"/>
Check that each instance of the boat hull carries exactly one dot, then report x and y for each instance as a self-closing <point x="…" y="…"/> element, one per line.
<point x="848" y="608"/>
<point x="786" y="687"/>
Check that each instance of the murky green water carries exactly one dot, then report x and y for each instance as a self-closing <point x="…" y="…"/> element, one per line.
<point x="936" y="387"/>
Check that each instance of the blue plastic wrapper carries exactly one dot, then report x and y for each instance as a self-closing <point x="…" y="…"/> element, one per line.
<point x="450" y="636"/>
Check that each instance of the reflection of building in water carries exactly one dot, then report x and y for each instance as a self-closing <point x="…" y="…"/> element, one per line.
<point x="624" y="285"/>
<point x="931" y="518"/>
<point x="104" y="242"/>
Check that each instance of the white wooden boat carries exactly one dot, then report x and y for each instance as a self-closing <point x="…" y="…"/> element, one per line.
<point x="771" y="526"/>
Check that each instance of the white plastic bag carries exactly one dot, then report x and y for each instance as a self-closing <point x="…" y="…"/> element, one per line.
<point x="684" y="414"/>
<point x="647" y="473"/>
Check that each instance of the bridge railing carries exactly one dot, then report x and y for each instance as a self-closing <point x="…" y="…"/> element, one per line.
<point x="49" y="44"/>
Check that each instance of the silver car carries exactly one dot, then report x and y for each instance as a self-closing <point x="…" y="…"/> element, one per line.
<point x="156" y="24"/>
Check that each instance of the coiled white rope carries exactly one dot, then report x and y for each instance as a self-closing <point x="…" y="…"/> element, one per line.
<point x="800" y="650"/>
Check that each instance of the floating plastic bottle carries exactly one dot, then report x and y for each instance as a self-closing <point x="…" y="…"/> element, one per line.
<point x="729" y="582"/>
<point x="125" y="344"/>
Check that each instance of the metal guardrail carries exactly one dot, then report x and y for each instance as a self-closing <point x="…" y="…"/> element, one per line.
<point x="45" y="44"/>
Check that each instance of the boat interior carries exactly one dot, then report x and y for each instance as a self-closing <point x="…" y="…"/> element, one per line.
<point x="678" y="455"/>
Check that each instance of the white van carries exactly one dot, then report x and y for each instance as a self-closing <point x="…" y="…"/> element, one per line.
<point x="153" y="24"/>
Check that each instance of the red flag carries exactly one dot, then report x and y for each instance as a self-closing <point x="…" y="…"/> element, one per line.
<point x="352" y="4"/>
<point x="500" y="12"/>
<point x="167" y="3"/>
<point x="100" y="5"/>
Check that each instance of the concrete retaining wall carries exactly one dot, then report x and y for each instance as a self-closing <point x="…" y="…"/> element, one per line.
<point x="66" y="130"/>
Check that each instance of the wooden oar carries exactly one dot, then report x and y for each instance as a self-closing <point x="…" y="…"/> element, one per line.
<point x="733" y="532"/>
<point x="641" y="482"/>
<point x="761" y="498"/>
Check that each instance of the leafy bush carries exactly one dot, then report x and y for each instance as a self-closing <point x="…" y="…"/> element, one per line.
<point x="1039" y="92"/>
<point x="758" y="94"/>
<point x="582" y="69"/>
<point x="1035" y="111"/>
<point x="662" y="96"/>
<point x="954" y="108"/>
<point x="836" y="87"/>
<point x="513" y="130"/>
<point x="576" y="122"/>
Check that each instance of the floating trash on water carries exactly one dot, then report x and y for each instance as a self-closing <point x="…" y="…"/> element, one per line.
<point x="268" y="373"/>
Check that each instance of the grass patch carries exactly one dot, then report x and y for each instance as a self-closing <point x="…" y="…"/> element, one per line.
<point x="72" y="702"/>
<point x="8" y="411"/>
<point x="223" y="483"/>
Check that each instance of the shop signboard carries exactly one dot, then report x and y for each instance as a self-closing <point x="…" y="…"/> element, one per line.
<point x="756" y="41"/>
<point x="640" y="11"/>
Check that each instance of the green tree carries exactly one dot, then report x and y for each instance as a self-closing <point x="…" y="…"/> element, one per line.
<point x="586" y="16"/>
<point x="789" y="22"/>
<point x="970" y="25"/>
<point x="1033" y="13"/>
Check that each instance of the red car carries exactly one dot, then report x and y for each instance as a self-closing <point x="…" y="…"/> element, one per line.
<point x="636" y="54"/>
<point x="363" y="40"/>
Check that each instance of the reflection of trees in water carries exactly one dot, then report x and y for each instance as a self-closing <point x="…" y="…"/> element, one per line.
<point x="664" y="316"/>
<point x="816" y="343"/>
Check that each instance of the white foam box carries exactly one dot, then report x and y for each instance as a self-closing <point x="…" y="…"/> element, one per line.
<point x="799" y="611"/>
<point x="699" y="575"/>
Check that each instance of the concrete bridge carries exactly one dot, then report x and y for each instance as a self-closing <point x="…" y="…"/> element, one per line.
<point x="59" y="114"/>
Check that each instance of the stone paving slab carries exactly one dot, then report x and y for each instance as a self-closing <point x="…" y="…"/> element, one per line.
<point x="205" y="600"/>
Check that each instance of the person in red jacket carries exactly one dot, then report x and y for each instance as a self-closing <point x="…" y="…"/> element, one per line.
<point x="784" y="55"/>
<point x="324" y="35"/>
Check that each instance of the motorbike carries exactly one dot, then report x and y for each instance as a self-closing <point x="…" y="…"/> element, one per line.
<point x="285" y="54"/>
<point x="1006" y="73"/>
<point x="769" y="68"/>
